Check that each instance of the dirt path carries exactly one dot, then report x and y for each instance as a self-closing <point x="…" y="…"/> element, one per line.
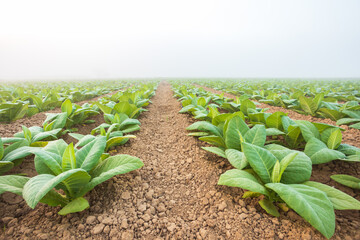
<point x="174" y="196"/>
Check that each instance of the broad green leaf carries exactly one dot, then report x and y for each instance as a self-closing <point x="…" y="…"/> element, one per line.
<point x="273" y="132"/>
<point x="77" y="205"/>
<point x="12" y="183"/>
<point x="339" y="199"/>
<point x="308" y="105"/>
<point x="236" y="158"/>
<point x="66" y="107"/>
<point x="204" y="126"/>
<point x="347" y="180"/>
<point x="112" y="166"/>
<point x="346" y="121"/>
<point x="68" y="158"/>
<point x="5" y="166"/>
<point x="1" y="149"/>
<point x="308" y="130"/>
<point x="335" y="139"/>
<point x="285" y="162"/>
<point x="215" y="140"/>
<point x="275" y="176"/>
<point x="89" y="155"/>
<point x="269" y="207"/>
<point x="310" y="203"/>
<point x="261" y="160"/>
<point x="331" y="113"/>
<point x="256" y="135"/>
<point x="242" y="179"/>
<point x="37" y="187"/>
<point x="18" y="153"/>
<point x="114" y="141"/>
<point x="274" y="120"/>
<point x="294" y="137"/>
<point x="218" y="151"/>
<point x="232" y="137"/>
<point x="320" y="153"/>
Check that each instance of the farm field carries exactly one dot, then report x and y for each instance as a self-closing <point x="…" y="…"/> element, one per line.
<point x="180" y="159"/>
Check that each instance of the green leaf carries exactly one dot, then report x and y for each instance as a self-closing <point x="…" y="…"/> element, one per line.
<point x="339" y="199"/>
<point x="37" y="187"/>
<point x="347" y="180"/>
<point x="236" y="158"/>
<point x="293" y="137"/>
<point x="335" y="139"/>
<point x="275" y="176"/>
<point x="269" y="207"/>
<point x="273" y="132"/>
<point x="308" y="105"/>
<point x="204" y="126"/>
<point x="232" y="137"/>
<point x="1" y="149"/>
<point x="12" y="183"/>
<point x="320" y="153"/>
<point x="308" y="130"/>
<point x="111" y="166"/>
<point x="242" y="179"/>
<point x="256" y="135"/>
<point x="68" y="158"/>
<point x="5" y="166"/>
<point x="215" y="140"/>
<point x="89" y="155"/>
<point x="218" y="151"/>
<point x="274" y="120"/>
<point x="310" y="203"/>
<point x="114" y="141"/>
<point x="77" y="205"/>
<point x="260" y="159"/>
<point x="66" y="107"/>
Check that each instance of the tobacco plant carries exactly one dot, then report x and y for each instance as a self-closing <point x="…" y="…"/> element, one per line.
<point x="73" y="171"/>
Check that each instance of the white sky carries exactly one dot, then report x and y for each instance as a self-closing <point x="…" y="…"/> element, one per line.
<point x="187" y="38"/>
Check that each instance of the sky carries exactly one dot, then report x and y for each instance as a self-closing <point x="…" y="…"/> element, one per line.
<point x="76" y="39"/>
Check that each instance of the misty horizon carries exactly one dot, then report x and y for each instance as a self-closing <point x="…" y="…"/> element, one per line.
<point x="179" y="39"/>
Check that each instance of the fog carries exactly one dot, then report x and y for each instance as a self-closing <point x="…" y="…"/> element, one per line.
<point x="162" y="38"/>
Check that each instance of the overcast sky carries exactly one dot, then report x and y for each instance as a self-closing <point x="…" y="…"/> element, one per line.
<point x="187" y="38"/>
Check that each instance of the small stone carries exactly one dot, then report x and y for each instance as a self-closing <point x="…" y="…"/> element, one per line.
<point x="106" y="229"/>
<point x="90" y="220"/>
<point x="43" y="236"/>
<point x="203" y="233"/>
<point x="125" y="195"/>
<point x="222" y="206"/>
<point x="149" y="194"/>
<point x="124" y="223"/>
<point x="98" y="228"/>
<point x="142" y="208"/>
<point x="146" y="217"/>
<point x="6" y="220"/>
<point x="10" y="231"/>
<point x="189" y="160"/>
<point x="171" y="227"/>
<point x="81" y="227"/>
<point x="107" y="221"/>
<point x="161" y="207"/>
<point x="127" y="236"/>
<point x="242" y="216"/>
<point x="13" y="222"/>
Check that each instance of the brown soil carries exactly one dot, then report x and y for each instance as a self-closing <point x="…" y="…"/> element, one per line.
<point x="174" y="196"/>
<point x="350" y="135"/>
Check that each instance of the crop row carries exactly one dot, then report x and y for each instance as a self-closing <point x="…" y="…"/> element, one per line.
<point x="272" y="155"/>
<point x="17" y="102"/>
<point x="338" y="101"/>
<point x="66" y="172"/>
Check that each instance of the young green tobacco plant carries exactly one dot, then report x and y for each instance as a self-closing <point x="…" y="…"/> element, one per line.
<point x="74" y="171"/>
<point x="34" y="136"/>
<point x="282" y="175"/>
<point x="113" y="137"/>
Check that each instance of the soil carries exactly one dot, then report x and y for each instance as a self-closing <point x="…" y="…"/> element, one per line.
<point x="350" y="135"/>
<point x="174" y="196"/>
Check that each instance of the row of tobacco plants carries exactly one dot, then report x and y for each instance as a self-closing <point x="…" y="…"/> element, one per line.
<point x="18" y="102"/>
<point x="272" y="155"/>
<point x="66" y="172"/>
<point x="335" y="100"/>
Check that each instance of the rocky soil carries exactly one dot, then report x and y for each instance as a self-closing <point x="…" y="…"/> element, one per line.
<point x="174" y="196"/>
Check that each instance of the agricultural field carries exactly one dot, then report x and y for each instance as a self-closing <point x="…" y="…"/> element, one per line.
<point x="180" y="159"/>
